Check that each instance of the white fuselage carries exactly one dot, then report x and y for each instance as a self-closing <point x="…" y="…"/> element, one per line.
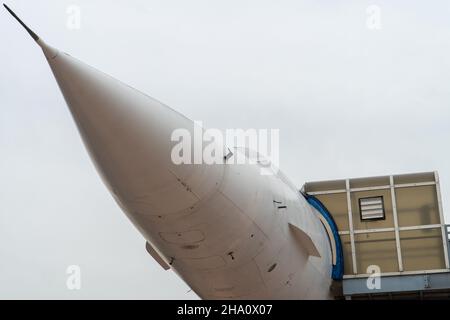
<point x="235" y="242"/>
<point x="220" y="227"/>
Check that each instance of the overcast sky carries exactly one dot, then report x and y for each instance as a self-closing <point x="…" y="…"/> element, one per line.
<point x="349" y="100"/>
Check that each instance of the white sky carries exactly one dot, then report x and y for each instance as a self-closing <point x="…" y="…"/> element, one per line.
<point x="349" y="102"/>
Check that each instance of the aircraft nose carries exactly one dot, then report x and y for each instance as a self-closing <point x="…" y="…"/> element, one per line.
<point x="128" y="136"/>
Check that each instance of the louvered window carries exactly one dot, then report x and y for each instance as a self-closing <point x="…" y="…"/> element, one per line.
<point x="371" y="208"/>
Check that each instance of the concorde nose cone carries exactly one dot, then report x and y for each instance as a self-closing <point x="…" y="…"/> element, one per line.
<point x="128" y="136"/>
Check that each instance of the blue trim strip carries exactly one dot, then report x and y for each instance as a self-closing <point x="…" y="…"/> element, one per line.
<point x="338" y="269"/>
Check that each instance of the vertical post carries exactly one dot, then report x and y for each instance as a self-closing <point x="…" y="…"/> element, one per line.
<point x="397" y="232"/>
<point x="350" y="224"/>
<point x="441" y="216"/>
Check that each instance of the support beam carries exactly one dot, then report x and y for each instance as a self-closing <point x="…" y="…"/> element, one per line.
<point x="441" y="216"/>
<point x="397" y="232"/>
<point x="350" y="225"/>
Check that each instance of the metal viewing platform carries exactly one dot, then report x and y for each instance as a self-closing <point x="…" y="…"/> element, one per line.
<point x="394" y="239"/>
